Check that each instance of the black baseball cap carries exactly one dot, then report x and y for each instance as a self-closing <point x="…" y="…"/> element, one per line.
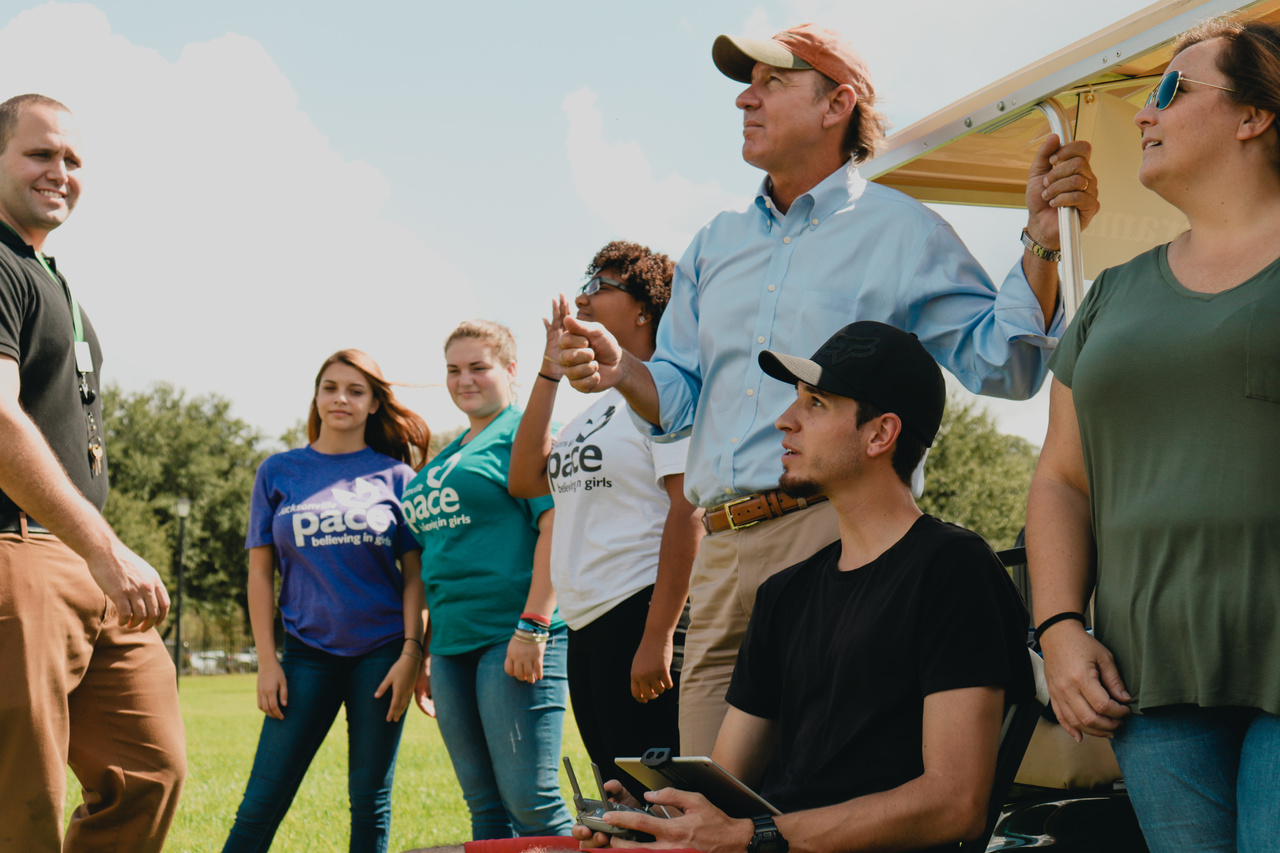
<point x="875" y="363"/>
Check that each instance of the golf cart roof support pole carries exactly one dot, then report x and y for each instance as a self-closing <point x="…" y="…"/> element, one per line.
<point x="1072" y="269"/>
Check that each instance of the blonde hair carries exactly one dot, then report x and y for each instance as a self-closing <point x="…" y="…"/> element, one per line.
<point x="497" y="336"/>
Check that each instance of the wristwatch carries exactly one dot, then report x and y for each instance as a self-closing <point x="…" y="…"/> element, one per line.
<point x="1050" y="255"/>
<point x="767" y="838"/>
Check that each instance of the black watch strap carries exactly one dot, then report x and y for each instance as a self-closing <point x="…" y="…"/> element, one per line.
<point x="767" y="838"/>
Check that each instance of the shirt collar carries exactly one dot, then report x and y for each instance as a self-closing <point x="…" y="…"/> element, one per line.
<point x="11" y="239"/>
<point x="835" y="192"/>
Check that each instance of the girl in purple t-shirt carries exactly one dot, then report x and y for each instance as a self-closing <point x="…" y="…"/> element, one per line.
<point x="351" y="599"/>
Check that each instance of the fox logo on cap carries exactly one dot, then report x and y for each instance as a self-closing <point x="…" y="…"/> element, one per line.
<point x="842" y="347"/>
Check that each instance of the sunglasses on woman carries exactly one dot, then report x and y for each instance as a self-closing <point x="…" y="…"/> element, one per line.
<point x="593" y="286"/>
<point x="1162" y="95"/>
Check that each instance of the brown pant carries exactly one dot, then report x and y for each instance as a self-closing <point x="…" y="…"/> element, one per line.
<point x="77" y="689"/>
<point x="722" y="592"/>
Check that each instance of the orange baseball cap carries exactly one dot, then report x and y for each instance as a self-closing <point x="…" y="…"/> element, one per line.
<point x="802" y="47"/>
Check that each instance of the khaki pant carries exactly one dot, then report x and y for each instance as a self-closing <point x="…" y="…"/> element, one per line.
<point x="722" y="592"/>
<point x="76" y="689"/>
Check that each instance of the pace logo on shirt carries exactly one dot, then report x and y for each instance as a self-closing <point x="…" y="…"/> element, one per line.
<point x="350" y="518"/>
<point x="575" y="457"/>
<point x="422" y="503"/>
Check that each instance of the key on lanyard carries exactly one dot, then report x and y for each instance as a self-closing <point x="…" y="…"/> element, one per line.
<point x="95" y="446"/>
<point x="95" y="456"/>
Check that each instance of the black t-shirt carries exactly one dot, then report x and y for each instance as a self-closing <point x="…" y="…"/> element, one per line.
<point x="842" y="661"/>
<point x="36" y="330"/>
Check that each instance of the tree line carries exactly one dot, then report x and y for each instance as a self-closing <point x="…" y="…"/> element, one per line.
<point x="163" y="445"/>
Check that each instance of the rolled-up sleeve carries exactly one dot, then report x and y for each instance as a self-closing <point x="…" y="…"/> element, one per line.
<point x="994" y="342"/>
<point x="675" y="366"/>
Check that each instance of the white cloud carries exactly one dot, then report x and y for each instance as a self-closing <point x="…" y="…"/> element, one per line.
<point x="221" y="243"/>
<point x="930" y="53"/>
<point x="616" y="183"/>
<point x="759" y="25"/>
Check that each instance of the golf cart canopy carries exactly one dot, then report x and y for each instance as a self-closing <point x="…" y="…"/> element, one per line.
<point x="977" y="151"/>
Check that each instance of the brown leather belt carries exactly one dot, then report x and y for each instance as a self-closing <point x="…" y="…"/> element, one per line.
<point x="753" y="509"/>
<point x="19" y="522"/>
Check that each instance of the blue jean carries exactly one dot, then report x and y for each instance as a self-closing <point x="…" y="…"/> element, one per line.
<point x="319" y="683"/>
<point x="1204" y="779"/>
<point x="503" y="738"/>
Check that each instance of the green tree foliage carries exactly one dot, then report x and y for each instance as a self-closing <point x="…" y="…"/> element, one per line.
<point x="162" y="445"/>
<point x="295" y="436"/>
<point x="441" y="440"/>
<point x="978" y="477"/>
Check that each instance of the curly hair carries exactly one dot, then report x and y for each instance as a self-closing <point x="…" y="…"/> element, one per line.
<point x="1250" y="59"/>
<point x="647" y="272"/>
<point x="392" y="430"/>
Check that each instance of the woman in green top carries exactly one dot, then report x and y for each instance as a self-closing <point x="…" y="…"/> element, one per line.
<point x="1163" y="459"/>
<point x="496" y="663"/>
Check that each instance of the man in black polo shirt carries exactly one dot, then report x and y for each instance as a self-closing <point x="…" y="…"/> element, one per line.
<point x="868" y="694"/>
<point x="86" y="682"/>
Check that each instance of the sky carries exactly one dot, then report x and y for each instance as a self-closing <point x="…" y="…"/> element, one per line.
<point x="268" y="182"/>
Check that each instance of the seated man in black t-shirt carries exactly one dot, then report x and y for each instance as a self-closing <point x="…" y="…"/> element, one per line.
<point x="869" y="691"/>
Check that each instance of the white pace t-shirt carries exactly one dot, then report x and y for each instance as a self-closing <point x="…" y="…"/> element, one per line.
<point x="606" y="479"/>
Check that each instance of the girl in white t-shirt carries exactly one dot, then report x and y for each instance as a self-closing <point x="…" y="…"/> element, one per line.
<point x="625" y="535"/>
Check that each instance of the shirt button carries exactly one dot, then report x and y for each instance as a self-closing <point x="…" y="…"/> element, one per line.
<point x="771" y="290"/>
<point x="733" y="440"/>
<point x="760" y="339"/>
<point x="786" y="239"/>
<point x="751" y="392"/>
<point x="815" y="222"/>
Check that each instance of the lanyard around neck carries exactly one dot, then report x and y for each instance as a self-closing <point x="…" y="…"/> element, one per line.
<point x="77" y="321"/>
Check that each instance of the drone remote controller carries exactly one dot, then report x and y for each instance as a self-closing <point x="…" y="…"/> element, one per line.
<point x="591" y="812"/>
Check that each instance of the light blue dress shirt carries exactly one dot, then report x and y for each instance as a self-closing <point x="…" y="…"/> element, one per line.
<point x="847" y="250"/>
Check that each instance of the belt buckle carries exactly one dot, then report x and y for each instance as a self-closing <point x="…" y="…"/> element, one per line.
<point x="729" y="516"/>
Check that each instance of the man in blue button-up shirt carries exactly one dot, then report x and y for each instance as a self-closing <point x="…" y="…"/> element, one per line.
<point x="818" y="248"/>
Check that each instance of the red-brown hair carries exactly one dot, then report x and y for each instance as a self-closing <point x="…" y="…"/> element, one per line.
<point x="392" y="430"/>
<point x="1250" y="59"/>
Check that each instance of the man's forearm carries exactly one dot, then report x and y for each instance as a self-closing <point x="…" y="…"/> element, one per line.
<point x="1042" y="276"/>
<point x="946" y="803"/>
<point x="33" y="478"/>
<point x="910" y="817"/>
<point x="636" y="384"/>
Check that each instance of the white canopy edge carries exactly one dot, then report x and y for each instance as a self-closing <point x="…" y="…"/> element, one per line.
<point x="1090" y="60"/>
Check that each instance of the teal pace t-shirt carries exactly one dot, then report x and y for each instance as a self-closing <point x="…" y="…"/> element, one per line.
<point x="1177" y="394"/>
<point x="477" y="540"/>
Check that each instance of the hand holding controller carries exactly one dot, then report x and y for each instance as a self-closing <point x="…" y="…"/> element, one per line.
<point x="591" y="812"/>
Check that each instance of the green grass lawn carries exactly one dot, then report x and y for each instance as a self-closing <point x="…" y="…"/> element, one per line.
<point x="223" y="721"/>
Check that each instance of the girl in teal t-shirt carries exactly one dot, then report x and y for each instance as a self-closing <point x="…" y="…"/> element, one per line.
<point x="496" y="665"/>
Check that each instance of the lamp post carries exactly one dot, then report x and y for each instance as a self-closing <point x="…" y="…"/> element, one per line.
<point x="183" y="508"/>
